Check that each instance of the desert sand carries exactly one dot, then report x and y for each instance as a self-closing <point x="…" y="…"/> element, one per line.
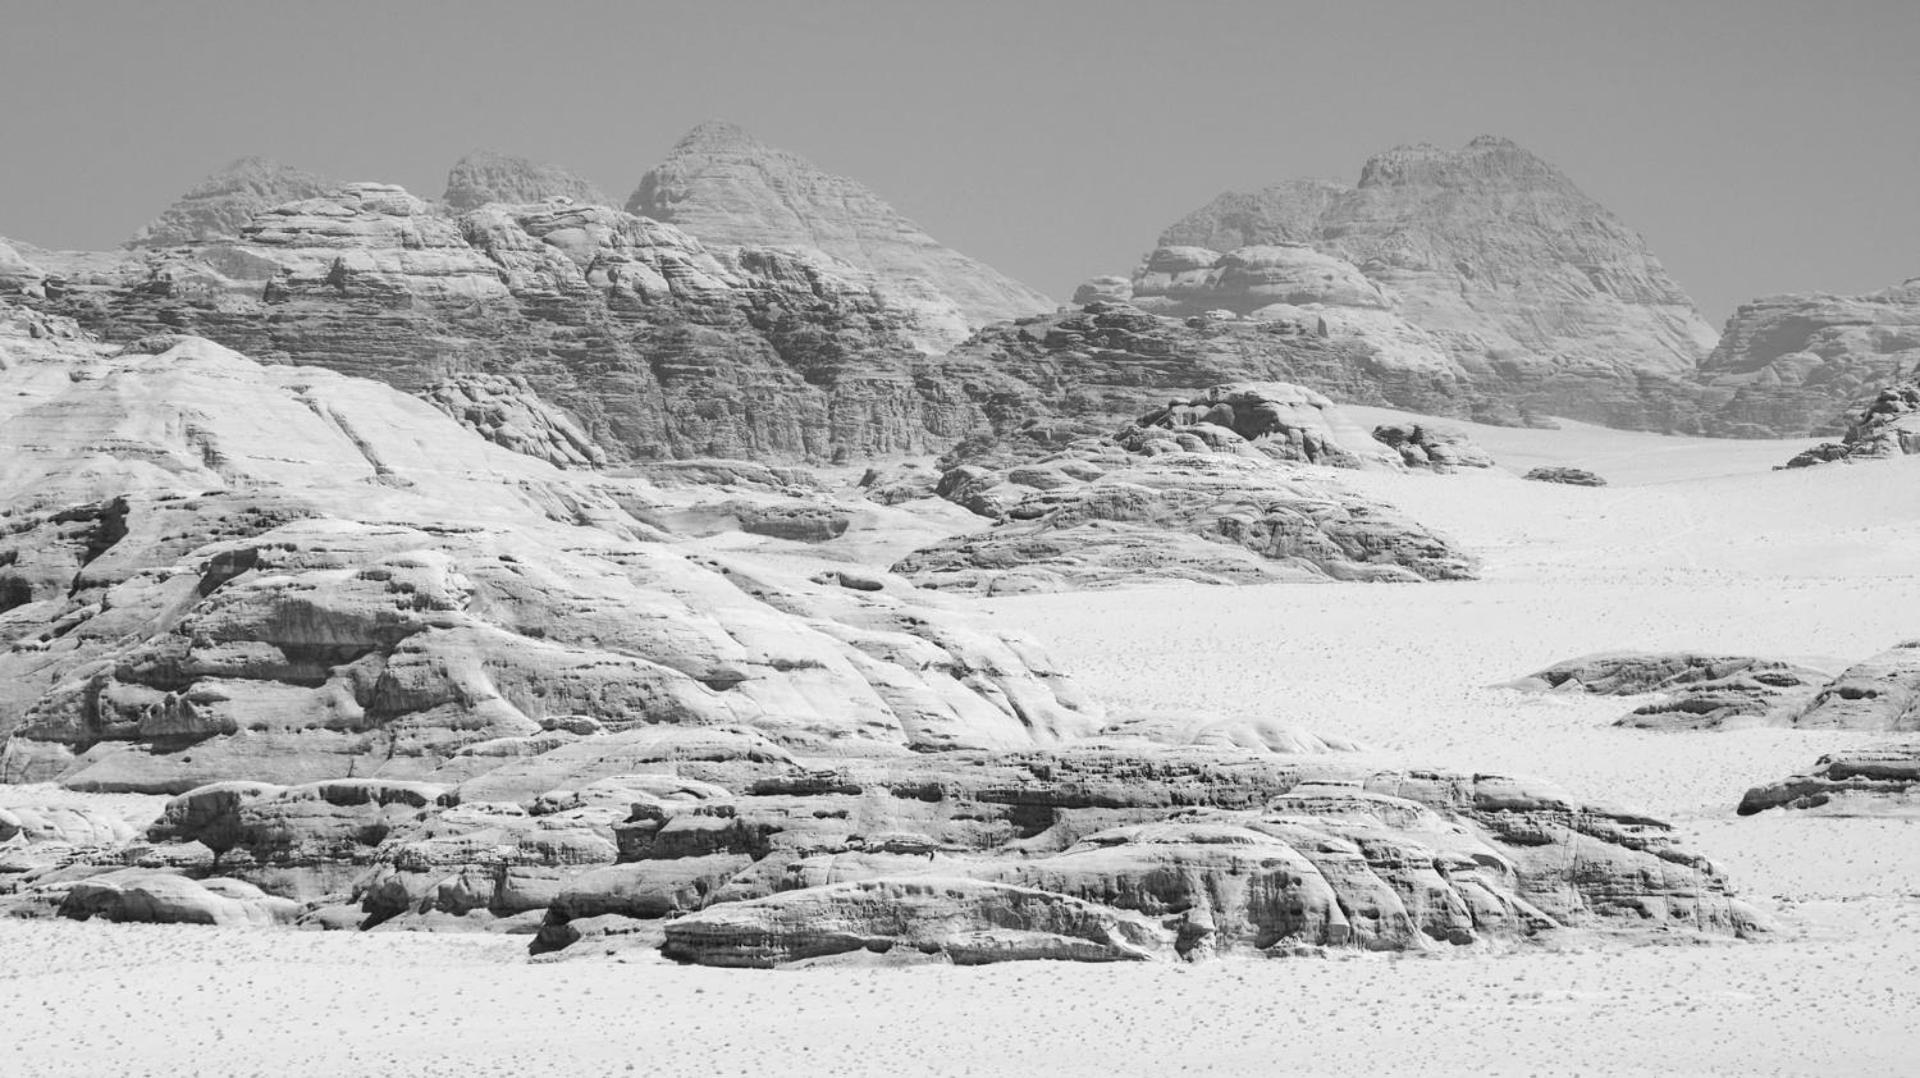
<point x="1695" y="544"/>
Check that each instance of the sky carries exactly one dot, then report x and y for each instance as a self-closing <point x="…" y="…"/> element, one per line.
<point x="1760" y="146"/>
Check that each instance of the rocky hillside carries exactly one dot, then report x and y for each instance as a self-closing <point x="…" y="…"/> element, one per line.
<point x="1485" y="259"/>
<point x="1795" y="364"/>
<point x="218" y="570"/>
<point x="724" y="186"/>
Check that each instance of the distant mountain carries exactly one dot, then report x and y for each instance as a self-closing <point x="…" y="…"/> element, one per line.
<point x="218" y="207"/>
<point x="724" y="186"/>
<point x="484" y="176"/>
<point x="1542" y="299"/>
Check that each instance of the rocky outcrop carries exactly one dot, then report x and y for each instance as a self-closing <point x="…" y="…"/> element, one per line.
<point x="150" y="896"/>
<point x="483" y="176"/>
<point x="964" y="921"/>
<point x="726" y="187"/>
<point x="507" y="411"/>
<point x="1538" y="296"/>
<point x="1205" y="489"/>
<point x="220" y="206"/>
<point x="217" y="570"/>
<point x="1880" y="693"/>
<point x="1794" y="365"/>
<point x="1572" y="477"/>
<point x="1695" y="691"/>
<point x="1887" y="426"/>
<point x="1086" y="853"/>
<point x="1865" y="782"/>
<point x="1439" y="449"/>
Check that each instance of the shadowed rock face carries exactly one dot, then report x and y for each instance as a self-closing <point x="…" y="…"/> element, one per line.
<point x="657" y="345"/>
<point x="1867" y="782"/>
<point x="483" y="176"/>
<point x="1794" y="365"/>
<point x="218" y="207"/>
<point x="726" y="187"/>
<point x="217" y="570"/>
<point x="1540" y="296"/>
<point x="1111" y="362"/>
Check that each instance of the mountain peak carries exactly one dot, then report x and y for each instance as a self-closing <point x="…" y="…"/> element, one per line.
<point x="485" y="176"/>
<point x="218" y="206"/>
<point x="726" y="187"/>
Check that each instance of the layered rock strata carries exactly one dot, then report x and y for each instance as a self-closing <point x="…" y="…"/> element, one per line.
<point x="1794" y="365"/>
<point x="1208" y="489"/>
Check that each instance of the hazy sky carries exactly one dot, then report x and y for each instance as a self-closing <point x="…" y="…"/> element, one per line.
<point x="1759" y="145"/>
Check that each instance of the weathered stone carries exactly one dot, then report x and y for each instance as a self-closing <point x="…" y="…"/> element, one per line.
<point x="725" y="186"/>
<point x="1575" y="477"/>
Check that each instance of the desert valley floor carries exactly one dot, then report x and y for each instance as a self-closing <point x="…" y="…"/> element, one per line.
<point x="1697" y="544"/>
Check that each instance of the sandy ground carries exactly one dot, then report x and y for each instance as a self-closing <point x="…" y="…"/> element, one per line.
<point x="1697" y="544"/>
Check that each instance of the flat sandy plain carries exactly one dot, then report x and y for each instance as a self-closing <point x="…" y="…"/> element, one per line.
<point x="1696" y="544"/>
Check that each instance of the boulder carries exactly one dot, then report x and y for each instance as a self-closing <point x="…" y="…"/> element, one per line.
<point x="1881" y="693"/>
<point x="151" y="897"/>
<point x="1573" y="477"/>
<point x="1863" y="782"/>
<point x="1696" y="691"/>
<point x="1439" y="449"/>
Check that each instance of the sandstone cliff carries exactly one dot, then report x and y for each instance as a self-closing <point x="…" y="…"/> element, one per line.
<point x="1795" y="364"/>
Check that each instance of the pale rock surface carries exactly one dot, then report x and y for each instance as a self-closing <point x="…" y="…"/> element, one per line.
<point x="1547" y="301"/>
<point x="218" y="207"/>
<point x="218" y="570"/>
<point x="726" y="187"/>
<point x="1695" y="691"/>
<point x="1881" y="693"/>
<point x="484" y="176"/>
<point x="154" y="897"/>
<point x="1795" y="364"/>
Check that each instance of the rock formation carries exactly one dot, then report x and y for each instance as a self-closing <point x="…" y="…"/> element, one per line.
<point x="218" y="207"/>
<point x="1867" y="782"/>
<point x="1573" y="477"/>
<point x="1203" y="489"/>
<point x="1695" y="691"/>
<point x="1887" y="426"/>
<point x="217" y="570"/>
<point x="1439" y="449"/>
<point x="1109" y="362"/>
<point x="726" y="187"/>
<point x="483" y="176"/>
<point x="1793" y="365"/>
<point x="1880" y="693"/>
<point x="1485" y="258"/>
